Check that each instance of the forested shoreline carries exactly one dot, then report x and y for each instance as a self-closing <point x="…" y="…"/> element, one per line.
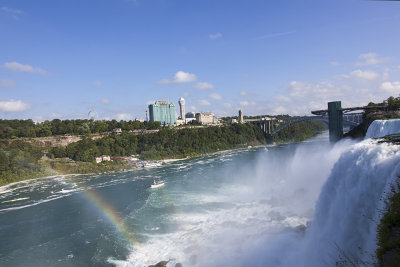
<point x="21" y="159"/>
<point x="28" y="128"/>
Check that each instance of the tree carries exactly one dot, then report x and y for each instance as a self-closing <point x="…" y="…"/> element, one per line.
<point x="4" y="162"/>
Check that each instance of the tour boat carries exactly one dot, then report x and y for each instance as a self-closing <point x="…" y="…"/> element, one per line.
<point x="157" y="184"/>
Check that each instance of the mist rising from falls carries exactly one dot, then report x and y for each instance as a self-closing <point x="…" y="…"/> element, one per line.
<point x="349" y="206"/>
<point x="296" y="205"/>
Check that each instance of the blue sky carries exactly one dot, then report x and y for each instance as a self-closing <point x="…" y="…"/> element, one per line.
<point x="61" y="59"/>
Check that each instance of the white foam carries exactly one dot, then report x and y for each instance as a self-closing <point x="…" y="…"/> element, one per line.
<point x="67" y="191"/>
<point x="30" y="205"/>
<point x="15" y="200"/>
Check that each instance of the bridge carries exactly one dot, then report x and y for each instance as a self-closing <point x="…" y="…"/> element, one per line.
<point x="335" y="116"/>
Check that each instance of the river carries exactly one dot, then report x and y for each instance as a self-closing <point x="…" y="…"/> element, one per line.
<point x="282" y="205"/>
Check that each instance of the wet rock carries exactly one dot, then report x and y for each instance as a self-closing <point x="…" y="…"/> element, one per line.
<point x="178" y="264"/>
<point x="160" y="264"/>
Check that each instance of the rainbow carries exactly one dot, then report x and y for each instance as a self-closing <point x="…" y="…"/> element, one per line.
<point x="106" y="209"/>
<point x="111" y="214"/>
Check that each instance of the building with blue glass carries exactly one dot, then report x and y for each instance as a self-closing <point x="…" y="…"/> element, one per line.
<point x="163" y="111"/>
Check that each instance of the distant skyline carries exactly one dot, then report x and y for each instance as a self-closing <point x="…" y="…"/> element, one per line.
<point x="61" y="59"/>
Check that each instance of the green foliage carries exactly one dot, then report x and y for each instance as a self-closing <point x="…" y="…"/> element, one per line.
<point x="300" y="131"/>
<point x="167" y="143"/>
<point x="393" y="103"/>
<point x="27" y="128"/>
<point x="19" y="160"/>
<point x="65" y="166"/>
<point x="389" y="229"/>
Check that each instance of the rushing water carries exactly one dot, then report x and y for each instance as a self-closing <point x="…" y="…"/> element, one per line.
<point x="248" y="207"/>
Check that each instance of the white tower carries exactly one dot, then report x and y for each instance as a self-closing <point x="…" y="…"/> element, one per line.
<point x="182" y="107"/>
<point x="240" y="117"/>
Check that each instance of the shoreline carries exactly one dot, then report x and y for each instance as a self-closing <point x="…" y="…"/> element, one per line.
<point x="161" y="161"/>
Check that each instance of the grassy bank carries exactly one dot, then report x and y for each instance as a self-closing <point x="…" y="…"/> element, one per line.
<point x="44" y="168"/>
<point x="388" y="252"/>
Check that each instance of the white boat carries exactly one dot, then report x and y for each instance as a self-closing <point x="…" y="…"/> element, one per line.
<point x="157" y="184"/>
<point x="150" y="164"/>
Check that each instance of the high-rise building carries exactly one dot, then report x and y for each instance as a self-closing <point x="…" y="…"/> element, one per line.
<point x="163" y="111"/>
<point x="182" y="107"/>
<point x="240" y="118"/>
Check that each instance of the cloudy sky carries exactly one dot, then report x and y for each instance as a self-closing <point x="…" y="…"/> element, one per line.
<point x="61" y="59"/>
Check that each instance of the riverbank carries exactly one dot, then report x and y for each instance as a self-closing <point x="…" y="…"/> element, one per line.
<point x="66" y="166"/>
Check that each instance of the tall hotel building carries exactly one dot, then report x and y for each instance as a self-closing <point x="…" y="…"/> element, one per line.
<point x="182" y="108"/>
<point x="162" y="111"/>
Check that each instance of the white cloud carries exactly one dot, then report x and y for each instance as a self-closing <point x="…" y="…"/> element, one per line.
<point x="335" y="63"/>
<point x="6" y="83"/>
<point x="181" y="77"/>
<point x="391" y="87"/>
<point x="283" y="98"/>
<point x="13" y="106"/>
<point x="302" y="97"/>
<point x="97" y="83"/>
<point x="123" y="117"/>
<point x="227" y="105"/>
<point x="215" y="36"/>
<point x="247" y="103"/>
<point x="203" y="86"/>
<point x="105" y="101"/>
<point x="15" y="66"/>
<point x="280" y="110"/>
<point x="243" y="93"/>
<point x="215" y="96"/>
<point x="13" y="11"/>
<point x="204" y="102"/>
<point x="55" y="115"/>
<point x="365" y="75"/>
<point x="370" y="59"/>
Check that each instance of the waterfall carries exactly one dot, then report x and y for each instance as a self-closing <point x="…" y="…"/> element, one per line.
<point x="348" y="209"/>
<point x="380" y="128"/>
<point x="350" y="204"/>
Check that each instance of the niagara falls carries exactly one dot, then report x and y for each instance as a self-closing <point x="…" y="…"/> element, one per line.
<point x="179" y="133"/>
<point x="300" y="204"/>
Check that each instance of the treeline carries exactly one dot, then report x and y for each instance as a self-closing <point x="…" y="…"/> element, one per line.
<point x="19" y="160"/>
<point x="167" y="143"/>
<point x="300" y="131"/>
<point x="28" y="128"/>
<point x="392" y="104"/>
